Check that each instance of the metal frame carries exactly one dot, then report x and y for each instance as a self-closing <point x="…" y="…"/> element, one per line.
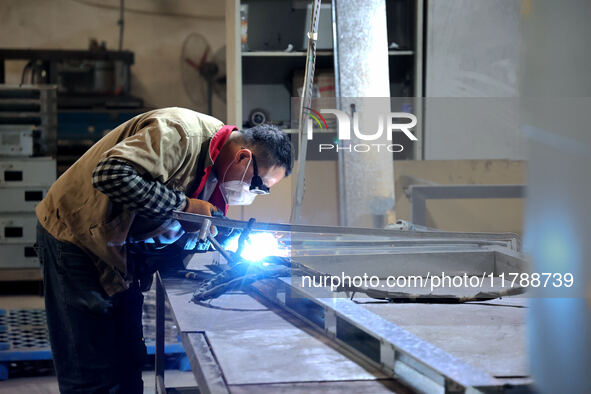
<point x="418" y="363"/>
<point x="385" y="345"/>
<point x="512" y="240"/>
<point x="419" y="194"/>
<point x="206" y="370"/>
<point x="208" y="374"/>
<point x="395" y="350"/>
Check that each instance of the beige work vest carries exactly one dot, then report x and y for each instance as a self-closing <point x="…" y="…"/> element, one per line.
<point x="164" y="145"/>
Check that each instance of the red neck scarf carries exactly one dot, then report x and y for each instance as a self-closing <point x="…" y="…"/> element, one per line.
<point x="215" y="147"/>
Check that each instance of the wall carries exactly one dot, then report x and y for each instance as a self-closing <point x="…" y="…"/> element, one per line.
<point x="473" y="51"/>
<point x="479" y="215"/>
<point x="154" y="30"/>
<point x="320" y="205"/>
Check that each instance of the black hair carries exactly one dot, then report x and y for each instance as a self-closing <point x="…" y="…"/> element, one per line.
<point x="271" y="145"/>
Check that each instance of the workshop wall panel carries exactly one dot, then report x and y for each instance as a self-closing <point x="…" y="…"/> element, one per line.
<point x="320" y="205"/>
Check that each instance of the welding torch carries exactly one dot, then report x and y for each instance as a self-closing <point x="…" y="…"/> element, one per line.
<point x="205" y="235"/>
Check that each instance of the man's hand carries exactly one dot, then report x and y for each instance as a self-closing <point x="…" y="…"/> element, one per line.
<point x="202" y="208"/>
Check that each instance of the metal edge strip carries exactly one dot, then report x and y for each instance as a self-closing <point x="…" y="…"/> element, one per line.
<point x="295" y="228"/>
<point x="431" y="359"/>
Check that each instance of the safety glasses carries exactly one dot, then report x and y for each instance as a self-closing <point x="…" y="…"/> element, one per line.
<point x="256" y="184"/>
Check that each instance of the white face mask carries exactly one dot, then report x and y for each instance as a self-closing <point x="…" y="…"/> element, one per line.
<point x="237" y="192"/>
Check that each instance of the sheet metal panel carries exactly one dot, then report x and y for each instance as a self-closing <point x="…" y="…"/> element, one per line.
<point x="488" y="336"/>
<point x="438" y="366"/>
<point x="281" y="356"/>
<point x="234" y="309"/>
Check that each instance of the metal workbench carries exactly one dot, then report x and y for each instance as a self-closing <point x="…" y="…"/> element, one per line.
<point x="279" y="336"/>
<point x="241" y="343"/>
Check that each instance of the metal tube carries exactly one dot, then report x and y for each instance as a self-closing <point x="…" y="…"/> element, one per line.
<point x="221" y="249"/>
<point x="159" y="351"/>
<point x="343" y="231"/>
<point x="204" y="230"/>
<point x="337" y="93"/>
<point x="121" y="23"/>
<point x="305" y="102"/>
<point x="363" y="76"/>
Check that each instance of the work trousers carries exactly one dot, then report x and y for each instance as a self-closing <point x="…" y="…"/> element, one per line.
<point x="96" y="340"/>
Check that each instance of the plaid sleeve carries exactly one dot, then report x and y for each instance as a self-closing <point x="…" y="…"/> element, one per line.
<point x="122" y="183"/>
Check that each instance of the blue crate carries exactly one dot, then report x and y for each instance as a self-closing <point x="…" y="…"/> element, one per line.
<point x="25" y="338"/>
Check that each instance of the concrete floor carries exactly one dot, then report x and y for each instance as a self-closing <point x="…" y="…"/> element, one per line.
<point x="48" y="384"/>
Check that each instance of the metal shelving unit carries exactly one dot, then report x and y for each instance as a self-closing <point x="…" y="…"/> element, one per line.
<point x="261" y="77"/>
<point x="28" y="134"/>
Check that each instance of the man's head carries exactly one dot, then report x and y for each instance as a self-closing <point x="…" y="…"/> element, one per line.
<point x="265" y="147"/>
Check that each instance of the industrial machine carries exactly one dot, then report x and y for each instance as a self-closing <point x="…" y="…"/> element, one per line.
<point x="28" y="133"/>
<point x="96" y="77"/>
<point x="92" y="93"/>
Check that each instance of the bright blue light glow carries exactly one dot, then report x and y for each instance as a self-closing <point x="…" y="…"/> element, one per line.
<point x="554" y="243"/>
<point x="258" y="246"/>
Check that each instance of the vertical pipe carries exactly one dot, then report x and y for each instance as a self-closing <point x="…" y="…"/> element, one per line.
<point x="233" y="64"/>
<point x="419" y="146"/>
<point x="337" y="92"/>
<point x="159" y="352"/>
<point x="364" y="81"/>
<point x="121" y="23"/>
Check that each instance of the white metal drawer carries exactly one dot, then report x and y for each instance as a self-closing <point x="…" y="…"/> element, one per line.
<point x="26" y="172"/>
<point x="18" y="256"/>
<point x="21" y="199"/>
<point x="18" y="228"/>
